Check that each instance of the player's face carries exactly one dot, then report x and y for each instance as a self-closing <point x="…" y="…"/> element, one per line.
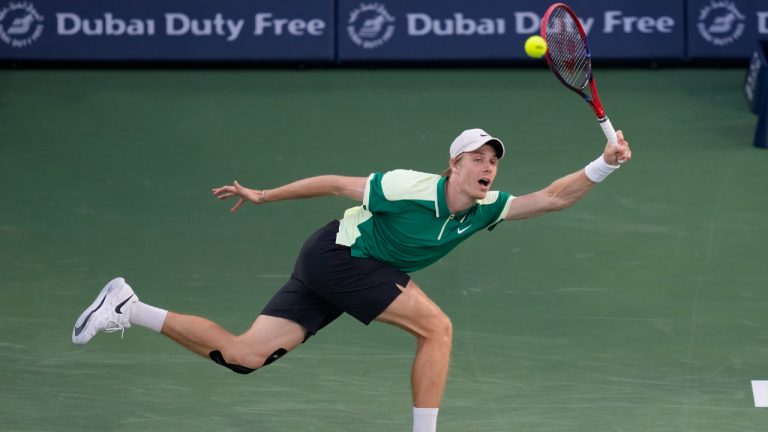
<point x="476" y="171"/>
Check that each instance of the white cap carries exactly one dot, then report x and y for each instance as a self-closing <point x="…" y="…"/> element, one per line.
<point x="473" y="139"/>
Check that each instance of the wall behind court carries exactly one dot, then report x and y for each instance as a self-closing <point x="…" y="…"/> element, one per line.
<point x="349" y="31"/>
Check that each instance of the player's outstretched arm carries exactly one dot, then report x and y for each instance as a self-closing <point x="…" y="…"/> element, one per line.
<point x="326" y="185"/>
<point x="566" y="191"/>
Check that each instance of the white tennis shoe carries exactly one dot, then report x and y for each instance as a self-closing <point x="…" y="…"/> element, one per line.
<point x="108" y="313"/>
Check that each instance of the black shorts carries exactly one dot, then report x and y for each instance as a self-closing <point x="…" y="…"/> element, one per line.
<point x="327" y="281"/>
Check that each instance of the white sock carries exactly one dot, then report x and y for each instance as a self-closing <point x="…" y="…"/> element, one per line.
<point x="425" y="419"/>
<point x="147" y="316"/>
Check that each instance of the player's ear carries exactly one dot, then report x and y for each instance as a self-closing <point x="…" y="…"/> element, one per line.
<point x="453" y="164"/>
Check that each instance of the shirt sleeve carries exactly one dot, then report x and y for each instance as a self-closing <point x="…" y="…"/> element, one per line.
<point x="375" y="199"/>
<point x="392" y="191"/>
<point x="499" y="210"/>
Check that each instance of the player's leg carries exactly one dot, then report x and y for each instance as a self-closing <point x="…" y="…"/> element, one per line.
<point x="268" y="339"/>
<point x="292" y="315"/>
<point x="368" y="290"/>
<point x="416" y="313"/>
<point x="117" y="307"/>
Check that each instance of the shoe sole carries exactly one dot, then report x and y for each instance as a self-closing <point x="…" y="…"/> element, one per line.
<point x="82" y="320"/>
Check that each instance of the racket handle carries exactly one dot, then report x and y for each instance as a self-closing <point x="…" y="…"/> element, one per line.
<point x="608" y="130"/>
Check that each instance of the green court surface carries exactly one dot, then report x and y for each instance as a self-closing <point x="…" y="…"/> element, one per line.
<point x="642" y="308"/>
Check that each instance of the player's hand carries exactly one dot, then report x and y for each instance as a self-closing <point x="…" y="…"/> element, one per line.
<point x="243" y="193"/>
<point x="615" y="154"/>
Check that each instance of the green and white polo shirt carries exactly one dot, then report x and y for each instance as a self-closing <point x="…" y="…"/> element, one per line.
<point x="404" y="220"/>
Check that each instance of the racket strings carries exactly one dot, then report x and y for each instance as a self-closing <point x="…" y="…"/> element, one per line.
<point x="568" y="50"/>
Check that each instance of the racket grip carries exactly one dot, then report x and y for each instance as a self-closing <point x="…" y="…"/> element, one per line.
<point x="608" y="130"/>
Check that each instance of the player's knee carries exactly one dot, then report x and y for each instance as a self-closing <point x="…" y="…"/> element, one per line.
<point x="445" y="328"/>
<point x="440" y="328"/>
<point x="246" y="365"/>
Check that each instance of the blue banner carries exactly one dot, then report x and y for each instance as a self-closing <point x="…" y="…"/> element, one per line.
<point x="725" y="28"/>
<point x="368" y="31"/>
<point x="268" y="30"/>
<point x="414" y="30"/>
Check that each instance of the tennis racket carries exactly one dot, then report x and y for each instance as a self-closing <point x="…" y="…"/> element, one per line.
<point x="569" y="58"/>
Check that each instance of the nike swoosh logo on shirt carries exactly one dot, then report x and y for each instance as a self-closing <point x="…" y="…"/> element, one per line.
<point x="120" y="306"/>
<point x="461" y="231"/>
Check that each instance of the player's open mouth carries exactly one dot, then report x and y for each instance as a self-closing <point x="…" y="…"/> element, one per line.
<point x="484" y="182"/>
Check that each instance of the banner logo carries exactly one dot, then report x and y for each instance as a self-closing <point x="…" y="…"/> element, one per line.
<point x="721" y="23"/>
<point x="370" y="25"/>
<point x="20" y="24"/>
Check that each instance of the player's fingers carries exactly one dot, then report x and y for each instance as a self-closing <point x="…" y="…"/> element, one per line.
<point x="620" y="146"/>
<point x="224" y="196"/>
<point x="622" y="142"/>
<point x="624" y="155"/>
<point x="243" y="191"/>
<point x="237" y="205"/>
<point x="223" y="189"/>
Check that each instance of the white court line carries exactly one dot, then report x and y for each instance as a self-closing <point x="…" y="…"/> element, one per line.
<point x="760" y="393"/>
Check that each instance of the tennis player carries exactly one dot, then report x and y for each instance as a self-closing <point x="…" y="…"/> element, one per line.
<point x="360" y="264"/>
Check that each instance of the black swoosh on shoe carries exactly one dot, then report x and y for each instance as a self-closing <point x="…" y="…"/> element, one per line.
<point x="79" y="329"/>
<point x="120" y="306"/>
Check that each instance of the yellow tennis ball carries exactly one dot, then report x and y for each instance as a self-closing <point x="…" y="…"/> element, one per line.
<point x="535" y="46"/>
